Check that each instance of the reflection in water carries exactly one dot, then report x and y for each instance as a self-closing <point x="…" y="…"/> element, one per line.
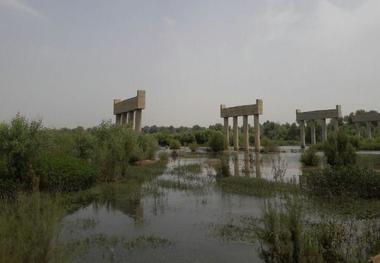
<point x="235" y="159"/>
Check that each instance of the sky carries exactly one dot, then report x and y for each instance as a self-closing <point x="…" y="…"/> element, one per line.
<point x="65" y="61"/>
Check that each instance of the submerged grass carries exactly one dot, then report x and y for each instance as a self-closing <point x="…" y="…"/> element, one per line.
<point x="254" y="186"/>
<point x="187" y="169"/>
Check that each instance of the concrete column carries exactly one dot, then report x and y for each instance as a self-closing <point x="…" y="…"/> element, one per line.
<point x="118" y="118"/>
<point x="256" y="121"/>
<point x="302" y="134"/>
<point x="138" y="120"/>
<point x="245" y="133"/>
<point x="131" y="119"/>
<point x="226" y="134"/>
<point x="369" y="130"/>
<point x="124" y="117"/>
<point x="324" y="130"/>
<point x="357" y="127"/>
<point x="336" y="125"/>
<point x="236" y="134"/>
<point x="313" y="136"/>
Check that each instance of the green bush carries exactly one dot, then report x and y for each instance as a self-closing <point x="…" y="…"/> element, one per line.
<point x="201" y="137"/>
<point x="216" y="141"/>
<point x="350" y="181"/>
<point x="193" y="147"/>
<point x="20" y="150"/>
<point x="310" y="158"/>
<point x="65" y="174"/>
<point x="269" y="146"/>
<point x="174" y="144"/>
<point x="338" y="150"/>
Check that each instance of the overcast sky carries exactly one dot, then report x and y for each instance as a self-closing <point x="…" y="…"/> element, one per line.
<point x="65" y="61"/>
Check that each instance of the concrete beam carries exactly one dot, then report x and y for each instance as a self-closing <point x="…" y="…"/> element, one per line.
<point x="254" y="109"/>
<point x="365" y="117"/>
<point x="132" y="104"/>
<point x="319" y="114"/>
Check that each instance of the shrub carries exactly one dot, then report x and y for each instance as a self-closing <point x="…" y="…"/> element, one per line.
<point x="310" y="158"/>
<point x="148" y="145"/>
<point x="174" y="144"/>
<point x="216" y="141"/>
<point x="269" y="146"/>
<point x="344" y="181"/>
<point x="193" y="147"/>
<point x="19" y="150"/>
<point x="84" y="144"/>
<point x="201" y="137"/>
<point x="65" y="174"/>
<point x="163" y="139"/>
<point x="338" y="150"/>
<point x="186" y="138"/>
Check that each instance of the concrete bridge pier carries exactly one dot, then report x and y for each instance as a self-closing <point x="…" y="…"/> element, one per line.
<point x="245" y="133"/>
<point x="324" y="130"/>
<point x="226" y="133"/>
<point x="369" y="129"/>
<point x="124" y="118"/>
<point x="256" y="120"/>
<point x="313" y="134"/>
<point x="236" y="133"/>
<point x="131" y="119"/>
<point x="302" y="134"/>
<point x="138" y="119"/>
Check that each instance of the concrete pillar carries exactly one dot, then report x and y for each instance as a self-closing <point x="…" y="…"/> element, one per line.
<point x="131" y="119"/>
<point x="118" y="118"/>
<point x="236" y="134"/>
<point x="245" y="133"/>
<point x="369" y="130"/>
<point x="324" y="130"/>
<point x="313" y="136"/>
<point x="124" y="117"/>
<point x="357" y="128"/>
<point x="302" y="134"/>
<point x="138" y="120"/>
<point x="226" y="134"/>
<point x="257" y="133"/>
<point x="336" y="125"/>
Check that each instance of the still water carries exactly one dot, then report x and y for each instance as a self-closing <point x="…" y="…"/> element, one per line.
<point x="173" y="218"/>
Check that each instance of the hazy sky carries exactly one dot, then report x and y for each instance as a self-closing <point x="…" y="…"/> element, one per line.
<point x="66" y="60"/>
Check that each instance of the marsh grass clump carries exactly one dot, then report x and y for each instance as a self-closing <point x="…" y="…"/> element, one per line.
<point x="29" y="227"/>
<point x="350" y="181"/>
<point x="310" y="158"/>
<point x="279" y="167"/>
<point x="222" y="168"/>
<point x="193" y="147"/>
<point x="174" y="144"/>
<point x="254" y="186"/>
<point x="150" y="241"/>
<point x="194" y="168"/>
<point x="269" y="146"/>
<point x="338" y="150"/>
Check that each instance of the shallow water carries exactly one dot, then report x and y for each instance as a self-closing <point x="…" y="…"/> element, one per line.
<point x="183" y="216"/>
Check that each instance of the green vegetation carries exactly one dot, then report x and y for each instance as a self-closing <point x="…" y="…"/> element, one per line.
<point x="338" y="150"/>
<point x="310" y="158"/>
<point x="350" y="181"/>
<point x="254" y="186"/>
<point x="216" y="141"/>
<point x="33" y="157"/>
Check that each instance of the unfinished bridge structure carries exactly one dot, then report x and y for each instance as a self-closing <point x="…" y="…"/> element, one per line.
<point x="129" y="111"/>
<point x="242" y="111"/>
<point x="311" y="117"/>
<point x="368" y="119"/>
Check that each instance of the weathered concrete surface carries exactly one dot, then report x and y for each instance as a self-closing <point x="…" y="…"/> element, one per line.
<point x="132" y="104"/>
<point x="319" y="114"/>
<point x="365" y="117"/>
<point x="245" y="133"/>
<point x="313" y="133"/>
<point x="138" y="120"/>
<point x="257" y="132"/>
<point x="245" y="110"/>
<point x="302" y="133"/>
<point x="226" y="134"/>
<point x="236" y="134"/>
<point x="324" y="129"/>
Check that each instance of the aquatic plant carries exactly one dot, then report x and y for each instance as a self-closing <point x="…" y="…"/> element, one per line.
<point x="279" y="168"/>
<point x="216" y="141"/>
<point x="338" y="150"/>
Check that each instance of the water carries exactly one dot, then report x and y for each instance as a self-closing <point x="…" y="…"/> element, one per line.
<point x="183" y="219"/>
